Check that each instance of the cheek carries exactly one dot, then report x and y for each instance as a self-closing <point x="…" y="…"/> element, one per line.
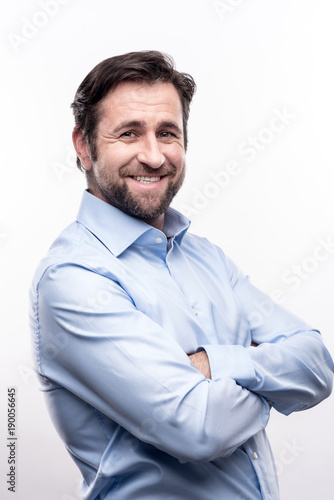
<point x="176" y="156"/>
<point x="116" y="154"/>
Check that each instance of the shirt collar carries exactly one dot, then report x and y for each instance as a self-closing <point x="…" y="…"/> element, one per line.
<point x="118" y="230"/>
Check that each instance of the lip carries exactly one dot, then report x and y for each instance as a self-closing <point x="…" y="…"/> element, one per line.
<point x="148" y="185"/>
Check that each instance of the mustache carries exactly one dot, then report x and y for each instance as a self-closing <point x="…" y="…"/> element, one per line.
<point x="142" y="170"/>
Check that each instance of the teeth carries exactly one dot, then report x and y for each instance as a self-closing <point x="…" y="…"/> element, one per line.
<point x="147" y="179"/>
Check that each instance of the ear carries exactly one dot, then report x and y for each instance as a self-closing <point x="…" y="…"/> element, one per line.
<point x="81" y="149"/>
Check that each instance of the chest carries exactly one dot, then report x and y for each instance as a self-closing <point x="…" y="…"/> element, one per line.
<point x="188" y="295"/>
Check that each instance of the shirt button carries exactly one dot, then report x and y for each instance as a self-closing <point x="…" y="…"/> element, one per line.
<point x="255" y="455"/>
<point x="195" y="310"/>
<point x="158" y="240"/>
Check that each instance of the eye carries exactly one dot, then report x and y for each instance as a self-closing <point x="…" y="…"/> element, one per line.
<point x="128" y="134"/>
<point x="167" y="134"/>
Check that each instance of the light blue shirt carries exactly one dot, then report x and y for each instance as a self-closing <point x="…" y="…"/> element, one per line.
<point x="116" y="306"/>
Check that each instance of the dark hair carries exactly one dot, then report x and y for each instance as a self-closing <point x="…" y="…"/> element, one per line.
<point x="146" y="66"/>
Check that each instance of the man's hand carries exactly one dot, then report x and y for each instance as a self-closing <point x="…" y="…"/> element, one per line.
<point x="200" y="361"/>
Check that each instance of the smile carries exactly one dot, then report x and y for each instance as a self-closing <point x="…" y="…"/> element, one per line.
<point x="146" y="180"/>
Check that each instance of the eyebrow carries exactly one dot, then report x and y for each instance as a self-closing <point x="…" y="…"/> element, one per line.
<point x="141" y="124"/>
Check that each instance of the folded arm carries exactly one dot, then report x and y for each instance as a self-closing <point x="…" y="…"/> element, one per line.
<point x="119" y="361"/>
<point x="291" y="366"/>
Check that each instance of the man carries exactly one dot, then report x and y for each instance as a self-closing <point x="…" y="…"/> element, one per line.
<point x="159" y="366"/>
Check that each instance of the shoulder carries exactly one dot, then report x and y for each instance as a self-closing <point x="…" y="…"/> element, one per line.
<point x="75" y="250"/>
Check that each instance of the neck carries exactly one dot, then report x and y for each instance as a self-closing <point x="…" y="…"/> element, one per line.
<point x="157" y="222"/>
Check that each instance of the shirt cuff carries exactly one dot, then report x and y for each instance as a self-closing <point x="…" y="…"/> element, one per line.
<point x="231" y="361"/>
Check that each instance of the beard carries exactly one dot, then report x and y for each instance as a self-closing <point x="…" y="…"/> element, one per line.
<point x="146" y="206"/>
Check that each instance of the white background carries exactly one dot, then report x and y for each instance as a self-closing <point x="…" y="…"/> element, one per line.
<point x="249" y="58"/>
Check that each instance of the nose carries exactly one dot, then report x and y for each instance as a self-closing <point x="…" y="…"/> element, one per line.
<point x="150" y="152"/>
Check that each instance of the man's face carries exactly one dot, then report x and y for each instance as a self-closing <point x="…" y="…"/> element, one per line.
<point x="140" y="162"/>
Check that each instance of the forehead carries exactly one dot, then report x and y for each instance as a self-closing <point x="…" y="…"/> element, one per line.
<point x="137" y="98"/>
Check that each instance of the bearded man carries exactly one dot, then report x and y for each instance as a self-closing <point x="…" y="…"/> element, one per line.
<point x="158" y="375"/>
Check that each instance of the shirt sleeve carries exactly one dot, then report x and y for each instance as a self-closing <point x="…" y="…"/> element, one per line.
<point x="291" y="366"/>
<point x="92" y="340"/>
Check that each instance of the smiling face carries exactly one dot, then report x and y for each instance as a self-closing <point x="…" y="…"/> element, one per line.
<point x="140" y="164"/>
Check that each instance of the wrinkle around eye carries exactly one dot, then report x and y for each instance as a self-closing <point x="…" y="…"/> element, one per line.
<point x="108" y="137"/>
